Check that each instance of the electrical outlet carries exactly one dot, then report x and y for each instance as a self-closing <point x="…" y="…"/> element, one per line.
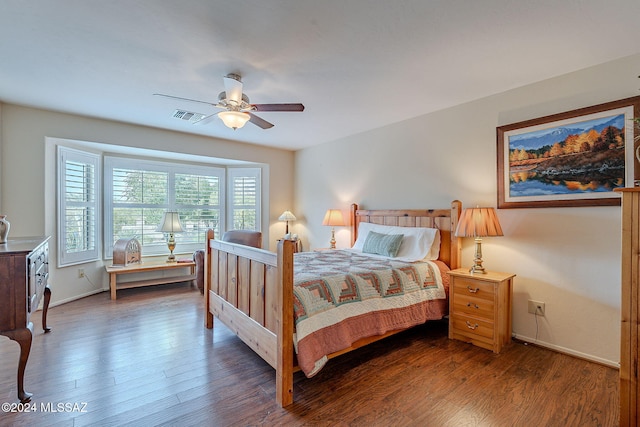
<point x="536" y="307"/>
<point x="80" y="273"/>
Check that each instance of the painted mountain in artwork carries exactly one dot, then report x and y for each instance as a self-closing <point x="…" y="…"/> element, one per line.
<point x="537" y="139"/>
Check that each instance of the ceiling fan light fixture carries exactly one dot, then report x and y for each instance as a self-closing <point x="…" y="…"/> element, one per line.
<point x="234" y="119"/>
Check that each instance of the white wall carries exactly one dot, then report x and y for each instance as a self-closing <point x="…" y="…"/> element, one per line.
<point x="27" y="177"/>
<point x="568" y="258"/>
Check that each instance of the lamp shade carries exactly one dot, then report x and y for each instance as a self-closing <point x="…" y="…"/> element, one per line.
<point x="234" y="119"/>
<point x="170" y="223"/>
<point x="478" y="222"/>
<point x="333" y="217"/>
<point x="287" y="216"/>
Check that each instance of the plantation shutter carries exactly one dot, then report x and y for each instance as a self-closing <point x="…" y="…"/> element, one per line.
<point x="198" y="200"/>
<point x="139" y="197"/>
<point x="244" y="203"/>
<point x="78" y="206"/>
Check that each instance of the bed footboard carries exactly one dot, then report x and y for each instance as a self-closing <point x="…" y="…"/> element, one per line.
<point x="251" y="291"/>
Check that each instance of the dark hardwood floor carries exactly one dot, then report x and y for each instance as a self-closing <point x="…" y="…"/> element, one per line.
<point x="146" y="359"/>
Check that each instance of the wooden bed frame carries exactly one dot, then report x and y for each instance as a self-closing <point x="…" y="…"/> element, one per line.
<point x="251" y="290"/>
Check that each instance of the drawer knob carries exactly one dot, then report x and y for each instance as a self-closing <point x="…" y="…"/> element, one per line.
<point x="473" y="291"/>
<point x="472" y="305"/>
<point x="470" y="326"/>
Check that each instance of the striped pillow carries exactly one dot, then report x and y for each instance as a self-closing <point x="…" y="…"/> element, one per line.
<point x="382" y="244"/>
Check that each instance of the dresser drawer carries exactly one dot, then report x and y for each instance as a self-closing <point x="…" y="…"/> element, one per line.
<point x="38" y="265"/>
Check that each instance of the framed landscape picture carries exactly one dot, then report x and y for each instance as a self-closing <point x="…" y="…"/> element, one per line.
<point x="576" y="158"/>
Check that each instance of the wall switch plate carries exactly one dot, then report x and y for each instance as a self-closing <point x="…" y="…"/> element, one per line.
<point x="536" y="307"/>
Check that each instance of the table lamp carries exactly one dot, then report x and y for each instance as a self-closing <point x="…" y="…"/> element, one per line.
<point x="334" y="218"/>
<point x="478" y="223"/>
<point x="171" y="224"/>
<point x="286" y="217"/>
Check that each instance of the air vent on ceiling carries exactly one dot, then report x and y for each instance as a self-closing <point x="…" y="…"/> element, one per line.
<point x="188" y="116"/>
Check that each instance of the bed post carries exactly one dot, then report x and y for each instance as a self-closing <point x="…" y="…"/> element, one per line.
<point x="208" y="317"/>
<point x="354" y="223"/>
<point x="456" y="247"/>
<point x="284" y="363"/>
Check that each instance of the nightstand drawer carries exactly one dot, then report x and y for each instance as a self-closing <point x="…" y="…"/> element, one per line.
<point x="473" y="328"/>
<point x="482" y="308"/>
<point x="475" y="288"/>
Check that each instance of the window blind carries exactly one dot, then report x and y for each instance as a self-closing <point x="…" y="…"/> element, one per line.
<point x="78" y="206"/>
<point x="244" y="206"/>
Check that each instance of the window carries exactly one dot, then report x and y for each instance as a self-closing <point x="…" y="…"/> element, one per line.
<point x="138" y="192"/>
<point x="244" y="203"/>
<point x="105" y="197"/>
<point x="78" y="206"/>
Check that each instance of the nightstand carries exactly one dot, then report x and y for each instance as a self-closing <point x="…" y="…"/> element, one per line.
<point x="480" y="308"/>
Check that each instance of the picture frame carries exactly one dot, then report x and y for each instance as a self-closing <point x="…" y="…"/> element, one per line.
<point x="575" y="158"/>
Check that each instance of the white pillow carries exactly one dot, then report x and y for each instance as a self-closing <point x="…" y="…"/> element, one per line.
<point x="418" y="243"/>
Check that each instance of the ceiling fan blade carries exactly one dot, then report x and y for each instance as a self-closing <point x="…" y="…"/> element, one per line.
<point x="206" y="119"/>
<point x="260" y="122"/>
<point x="233" y="88"/>
<point x="278" y="107"/>
<point x="186" y="99"/>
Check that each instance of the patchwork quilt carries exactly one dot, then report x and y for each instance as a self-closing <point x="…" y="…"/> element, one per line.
<point x="341" y="296"/>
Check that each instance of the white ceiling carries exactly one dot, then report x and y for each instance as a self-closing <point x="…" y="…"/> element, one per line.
<point x="355" y="64"/>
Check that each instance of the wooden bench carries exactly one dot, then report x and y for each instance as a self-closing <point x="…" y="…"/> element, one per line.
<point x="146" y="267"/>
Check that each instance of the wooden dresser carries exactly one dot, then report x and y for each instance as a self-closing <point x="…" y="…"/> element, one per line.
<point x="480" y="308"/>
<point x="630" y="308"/>
<point x="24" y="274"/>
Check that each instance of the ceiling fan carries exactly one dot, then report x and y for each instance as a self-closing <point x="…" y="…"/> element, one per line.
<point x="237" y="110"/>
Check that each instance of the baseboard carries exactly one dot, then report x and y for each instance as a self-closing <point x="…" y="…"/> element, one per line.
<point x="76" y="297"/>
<point x="560" y="349"/>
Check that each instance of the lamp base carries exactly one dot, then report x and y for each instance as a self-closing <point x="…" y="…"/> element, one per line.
<point x="332" y="242"/>
<point x="477" y="259"/>
<point x="171" y="244"/>
<point x="477" y="269"/>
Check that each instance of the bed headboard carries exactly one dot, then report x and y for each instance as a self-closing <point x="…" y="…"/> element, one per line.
<point x="445" y="220"/>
